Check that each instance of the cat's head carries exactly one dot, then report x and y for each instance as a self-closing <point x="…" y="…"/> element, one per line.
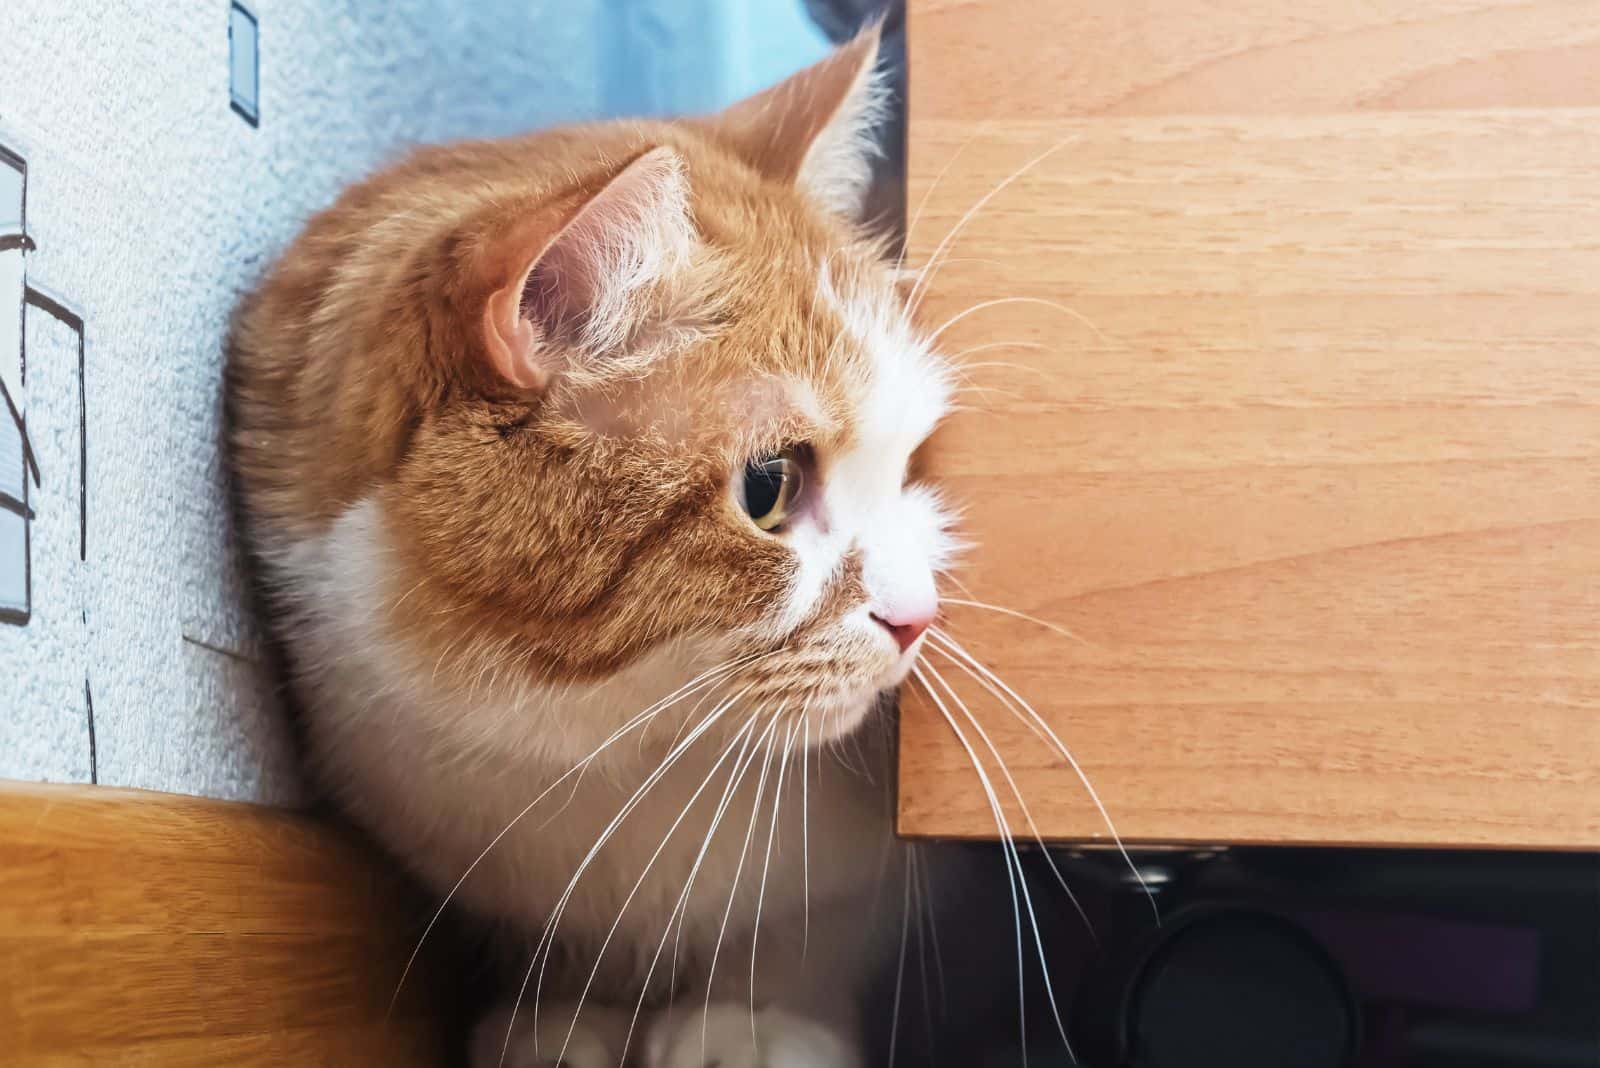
<point x="645" y="405"/>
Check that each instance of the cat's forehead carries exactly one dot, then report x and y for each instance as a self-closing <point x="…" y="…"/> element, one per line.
<point x="849" y="369"/>
<point x="897" y="387"/>
<point x="811" y="344"/>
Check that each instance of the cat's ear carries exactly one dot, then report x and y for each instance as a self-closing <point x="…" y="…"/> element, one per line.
<point x="584" y="289"/>
<point x="814" y="129"/>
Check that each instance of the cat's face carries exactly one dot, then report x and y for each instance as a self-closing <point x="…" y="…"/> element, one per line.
<point x="685" y="440"/>
<point x="864" y="539"/>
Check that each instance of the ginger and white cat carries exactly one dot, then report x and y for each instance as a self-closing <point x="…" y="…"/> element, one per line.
<point x="576" y="466"/>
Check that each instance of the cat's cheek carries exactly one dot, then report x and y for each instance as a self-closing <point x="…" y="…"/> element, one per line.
<point x="815" y="559"/>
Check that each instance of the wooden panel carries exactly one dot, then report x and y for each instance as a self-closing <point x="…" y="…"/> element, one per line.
<point x="977" y="60"/>
<point x="1308" y="456"/>
<point x="146" y="929"/>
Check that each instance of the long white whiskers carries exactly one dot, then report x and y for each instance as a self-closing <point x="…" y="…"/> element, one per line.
<point x="990" y="346"/>
<point x="643" y="875"/>
<point x="1015" y="860"/>
<point x="547" y="938"/>
<point x="933" y="937"/>
<point x="766" y="865"/>
<point x="927" y="194"/>
<point x="741" y="764"/>
<point x="900" y="966"/>
<point x="996" y="302"/>
<point x="930" y="269"/>
<point x="706" y="678"/>
<point x="955" y="699"/>
<point x="1055" y="628"/>
<point x="805" y="833"/>
<point x="1006" y="695"/>
<point x="921" y="905"/>
<point x="738" y="873"/>
<point x="1012" y="876"/>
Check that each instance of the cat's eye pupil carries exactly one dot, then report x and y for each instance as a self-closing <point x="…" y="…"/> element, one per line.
<point x="771" y="488"/>
<point x="762" y="488"/>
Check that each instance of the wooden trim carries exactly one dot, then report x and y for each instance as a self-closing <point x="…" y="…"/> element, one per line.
<point x="146" y="928"/>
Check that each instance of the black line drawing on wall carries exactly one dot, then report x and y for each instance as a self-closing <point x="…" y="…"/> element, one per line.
<point x="244" y="69"/>
<point x="17" y="460"/>
<point x="51" y="306"/>
<point x="19" y="465"/>
<point x="94" y="757"/>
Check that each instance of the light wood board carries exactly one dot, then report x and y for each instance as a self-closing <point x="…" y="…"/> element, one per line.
<point x="1308" y="457"/>
<point x="146" y="929"/>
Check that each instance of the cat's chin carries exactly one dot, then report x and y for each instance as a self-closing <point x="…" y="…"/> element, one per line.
<point x="846" y="715"/>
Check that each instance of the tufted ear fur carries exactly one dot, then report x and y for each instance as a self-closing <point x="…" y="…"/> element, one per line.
<point x="815" y="128"/>
<point x="584" y="290"/>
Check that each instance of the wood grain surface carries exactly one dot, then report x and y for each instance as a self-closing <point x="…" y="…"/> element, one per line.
<point x="146" y="929"/>
<point x="1307" y="451"/>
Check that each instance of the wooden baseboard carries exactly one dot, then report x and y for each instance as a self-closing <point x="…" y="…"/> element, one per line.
<point x="150" y="929"/>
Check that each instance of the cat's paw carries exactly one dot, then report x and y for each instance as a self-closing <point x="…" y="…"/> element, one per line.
<point x="552" y="1042"/>
<point x="724" y="1036"/>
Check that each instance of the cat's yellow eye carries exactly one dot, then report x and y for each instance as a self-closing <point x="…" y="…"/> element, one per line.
<point x="772" y="486"/>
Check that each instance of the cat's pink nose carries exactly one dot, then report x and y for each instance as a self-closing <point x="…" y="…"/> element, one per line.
<point x="906" y="628"/>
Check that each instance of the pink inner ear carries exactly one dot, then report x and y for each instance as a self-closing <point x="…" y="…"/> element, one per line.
<point x="544" y="302"/>
<point x="583" y="294"/>
<point x="512" y="340"/>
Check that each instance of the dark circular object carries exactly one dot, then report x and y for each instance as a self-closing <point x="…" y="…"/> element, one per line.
<point x="1241" y="989"/>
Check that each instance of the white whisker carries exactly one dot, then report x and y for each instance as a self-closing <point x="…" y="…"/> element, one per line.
<point x="738" y="872"/>
<point x="751" y="746"/>
<point x="1014" y="873"/>
<point x="983" y="395"/>
<point x="989" y="346"/>
<point x="1006" y="695"/>
<point x="546" y="942"/>
<point x="705" y="678"/>
<point x="766" y="865"/>
<point x="935" y="641"/>
<point x="649" y="864"/>
<point x="805" y="834"/>
<point x="1027" y="815"/>
<point x="932" y="910"/>
<point x="996" y="302"/>
<point x="900" y="967"/>
<point x="919" y="882"/>
<point x="1013" y="613"/>
<point x="955" y="580"/>
<point x="930" y="269"/>
<point x="922" y="202"/>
